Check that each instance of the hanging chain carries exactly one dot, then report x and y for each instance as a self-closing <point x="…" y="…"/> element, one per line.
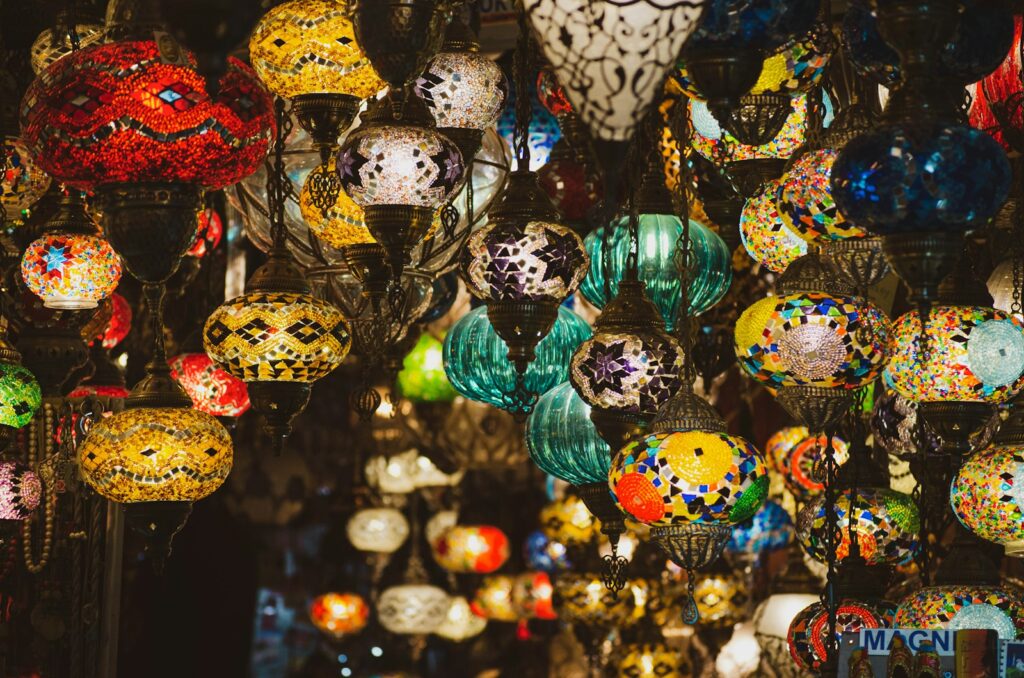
<point x="1018" y="246"/>
<point x="832" y="538"/>
<point x="277" y="178"/>
<point x="524" y="109"/>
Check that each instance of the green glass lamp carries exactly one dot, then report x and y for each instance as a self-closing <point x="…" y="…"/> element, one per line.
<point x="422" y="379"/>
<point x="563" y="441"/>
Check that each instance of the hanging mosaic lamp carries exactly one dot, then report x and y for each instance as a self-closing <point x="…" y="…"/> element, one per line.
<point x="532" y="594"/>
<point x="886" y="524"/>
<point x="921" y="179"/>
<point x="23" y="181"/>
<point x="493" y="599"/>
<point x="20" y="395"/>
<point x="71" y="266"/>
<point x="808" y="632"/>
<point x="20" y="493"/>
<point x="277" y="337"/>
<point x="212" y="389"/>
<point x="377" y="530"/>
<point x="477" y="549"/>
<point x="963" y="607"/>
<point x="767" y="531"/>
<point x="794" y="454"/>
<point x="477" y="365"/>
<point x="581" y="598"/>
<point x="993" y="108"/>
<point x="805" y="200"/>
<point x="544" y="554"/>
<point x="765" y="235"/>
<point x="464" y="90"/>
<point x="461" y="623"/>
<point x="652" y="660"/>
<point x="659" y="232"/>
<point x="412" y="609"/>
<point x="567" y="521"/>
<point x="629" y="368"/>
<point x="422" y="379"/>
<point x="307" y="52"/>
<point x="691" y="481"/>
<point x="120" y="323"/>
<point x="339" y="614"/>
<point x="129" y="120"/>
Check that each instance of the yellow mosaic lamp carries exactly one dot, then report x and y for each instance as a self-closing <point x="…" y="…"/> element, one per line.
<point x="158" y="455"/>
<point x="306" y="51"/>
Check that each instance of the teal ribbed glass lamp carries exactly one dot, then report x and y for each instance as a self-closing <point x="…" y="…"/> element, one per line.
<point x="563" y="441"/>
<point x="658" y="238"/>
<point x="476" y="359"/>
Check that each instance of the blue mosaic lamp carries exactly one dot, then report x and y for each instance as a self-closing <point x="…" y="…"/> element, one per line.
<point x="477" y="365"/>
<point x="769" y="530"/>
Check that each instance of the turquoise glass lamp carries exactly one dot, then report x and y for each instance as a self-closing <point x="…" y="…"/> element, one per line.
<point x="562" y="440"/>
<point x="476" y="359"/>
<point x="659" y="231"/>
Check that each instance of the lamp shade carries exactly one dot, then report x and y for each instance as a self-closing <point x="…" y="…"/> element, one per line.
<point x="377" y="530"/>
<point x="962" y="607"/>
<point x="541" y="136"/>
<point x="712" y="141"/>
<point x="812" y="339"/>
<point x="422" y="379"/>
<point x="151" y="454"/>
<point x="309" y="47"/>
<point x="886" y="523"/>
<point x="338" y="223"/>
<point x="277" y="336"/>
<point x="211" y="388"/>
<point x="709" y="276"/>
<point x="20" y="491"/>
<point x="976" y="355"/>
<point x="805" y="200"/>
<point x="412" y="609"/>
<point x="339" y="614"/>
<point x="765" y="235"/>
<point x="611" y="57"/>
<point x="23" y="181"/>
<point x="493" y="599"/>
<point x="689" y="476"/>
<point x="71" y="270"/>
<point x="20" y="395"/>
<point x="986" y="496"/>
<point x="768" y="530"/>
<point x="568" y="521"/>
<point x="138" y="111"/>
<point x="532" y="594"/>
<point x="460" y="623"/>
<point x="563" y="441"/>
<point x="581" y="598"/>
<point x="808" y="632"/>
<point x="463" y="89"/>
<point x="478" y="549"/>
<point x="794" y="454"/>
<point x="476" y="358"/>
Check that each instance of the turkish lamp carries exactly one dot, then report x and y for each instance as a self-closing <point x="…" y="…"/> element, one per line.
<point x="523" y="265"/>
<point x="400" y="170"/>
<point x="71" y="266"/>
<point x="20" y="394"/>
<point x="74" y="29"/>
<point x="158" y="455"/>
<point x="307" y="51"/>
<point x="464" y="90"/>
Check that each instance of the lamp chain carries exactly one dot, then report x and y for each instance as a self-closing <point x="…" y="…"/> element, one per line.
<point x="833" y="537"/>
<point x="524" y="109"/>
<point x="277" y="178"/>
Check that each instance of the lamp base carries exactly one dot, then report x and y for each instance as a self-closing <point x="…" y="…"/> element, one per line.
<point x="157" y="522"/>
<point x="758" y="118"/>
<point x="818" y="408"/>
<point x="955" y="423"/>
<point x="278" y="403"/>
<point x="324" y="117"/>
<point x="368" y="263"/>
<point x="398" y="228"/>
<point x="150" y="225"/>
<point x="468" y="141"/>
<point x="522" y="325"/>
<point x="618" y="428"/>
<point x="922" y="260"/>
<point x="860" y="260"/>
<point x="723" y="76"/>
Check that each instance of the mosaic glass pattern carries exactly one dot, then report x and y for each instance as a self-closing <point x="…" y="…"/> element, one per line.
<point x="309" y="47"/>
<point x="120" y="323"/>
<point x="574" y="187"/>
<point x="1002" y="85"/>
<point x="541" y="553"/>
<point x="538" y="261"/>
<point x="493" y="599"/>
<point x="692" y="476"/>
<point x="156" y="454"/>
<point x="55" y="43"/>
<point x="652" y="660"/>
<point x="562" y="440"/>
<point x="805" y="203"/>
<point x="339" y="614"/>
<point x="341" y="223"/>
<point x="129" y="112"/>
<point x="412" y="609"/>
<point x="71" y="270"/>
<point x="581" y="598"/>
<point x="551" y="94"/>
<point x="212" y="389"/>
<point x="796" y="67"/>
<point x="568" y="521"/>
<point x="460" y="623"/>
<point x="20" y="396"/>
<point x="209" y="231"/>
<point x="23" y="181"/>
<point x="477" y="365"/>
<point x="961" y="339"/>
<point x="399" y="165"/>
<point x="712" y="141"/>
<point x="765" y="235"/>
<point x="628" y="372"/>
<point x="987" y="496"/>
<point x="463" y="89"/>
<point x="20" y="491"/>
<point x="886" y="523"/>
<point x="479" y="549"/>
<point x="722" y="599"/>
<point x="812" y="339"/>
<point x="277" y="336"/>
<point x="938" y="178"/>
<point x="947" y="607"/>
<point x="532" y="596"/>
<point x="422" y="379"/>
<point x="894" y="424"/>
<point x="808" y="632"/>
<point x="377" y="530"/>
<point x="709" y="276"/>
<point x="794" y="454"/>
<point x="770" y="529"/>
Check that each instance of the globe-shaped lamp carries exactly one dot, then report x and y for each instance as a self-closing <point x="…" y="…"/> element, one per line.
<point x="808" y="632"/>
<point x="212" y="389"/>
<point x="460" y="623"/>
<point x="562" y="440"/>
<point x="20" y="491"/>
<point x="962" y="607"/>
<point x="339" y="614"/>
<point x="477" y="549"/>
<point x="765" y="235"/>
<point x="377" y="530"/>
<point x="412" y="609"/>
